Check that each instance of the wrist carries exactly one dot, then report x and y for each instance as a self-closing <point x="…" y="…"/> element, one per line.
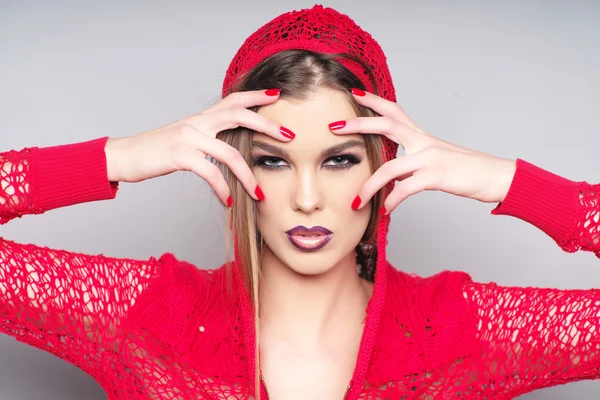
<point x="112" y="151"/>
<point x="506" y="175"/>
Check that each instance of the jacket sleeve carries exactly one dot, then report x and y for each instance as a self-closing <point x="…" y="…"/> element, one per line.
<point x="530" y="338"/>
<point x="66" y="303"/>
<point x="538" y="337"/>
<point x="567" y="211"/>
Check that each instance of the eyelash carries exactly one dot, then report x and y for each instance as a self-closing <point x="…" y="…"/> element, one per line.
<point x="350" y="158"/>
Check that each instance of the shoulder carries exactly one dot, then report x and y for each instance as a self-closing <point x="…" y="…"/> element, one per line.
<point x="182" y="301"/>
<point x="425" y="322"/>
<point x="434" y="298"/>
<point x="428" y="300"/>
<point x="188" y="279"/>
<point x="192" y="314"/>
<point x="448" y="280"/>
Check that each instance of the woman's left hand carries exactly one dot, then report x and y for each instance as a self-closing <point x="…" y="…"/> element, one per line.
<point x="428" y="164"/>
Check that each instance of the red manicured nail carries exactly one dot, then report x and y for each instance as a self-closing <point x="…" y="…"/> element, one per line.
<point x="382" y="211"/>
<point x="356" y="203"/>
<point x="272" y="92"/>
<point x="230" y="202"/>
<point x="287" y="133"/>
<point x="337" y="125"/>
<point x="259" y="193"/>
<point x="358" y="92"/>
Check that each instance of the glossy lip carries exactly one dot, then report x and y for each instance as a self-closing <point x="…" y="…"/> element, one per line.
<point x="322" y="236"/>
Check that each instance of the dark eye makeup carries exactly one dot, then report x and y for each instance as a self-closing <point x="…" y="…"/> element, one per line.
<point x="340" y="161"/>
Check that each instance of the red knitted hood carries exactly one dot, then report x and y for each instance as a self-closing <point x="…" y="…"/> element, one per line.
<point x="322" y="30"/>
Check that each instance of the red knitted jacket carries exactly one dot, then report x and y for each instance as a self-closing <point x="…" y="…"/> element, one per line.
<point x="161" y="328"/>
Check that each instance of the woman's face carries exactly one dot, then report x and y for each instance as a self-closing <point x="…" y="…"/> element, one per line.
<point x="311" y="181"/>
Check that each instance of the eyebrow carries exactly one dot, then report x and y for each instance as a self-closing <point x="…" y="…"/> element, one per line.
<point x="327" y="153"/>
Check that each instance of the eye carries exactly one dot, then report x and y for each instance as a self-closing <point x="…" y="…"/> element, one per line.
<point x="267" y="162"/>
<point x="341" y="161"/>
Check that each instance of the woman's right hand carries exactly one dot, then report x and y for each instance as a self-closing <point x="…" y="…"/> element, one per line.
<point x="184" y="145"/>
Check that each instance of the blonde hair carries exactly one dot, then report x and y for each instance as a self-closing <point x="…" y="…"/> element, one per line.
<point x="295" y="73"/>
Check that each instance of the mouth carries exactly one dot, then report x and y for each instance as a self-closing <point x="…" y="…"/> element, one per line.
<point x="309" y="239"/>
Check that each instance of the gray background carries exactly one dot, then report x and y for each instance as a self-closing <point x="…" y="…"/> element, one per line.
<point x="515" y="80"/>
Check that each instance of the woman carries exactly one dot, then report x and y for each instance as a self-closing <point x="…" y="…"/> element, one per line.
<point x="303" y="146"/>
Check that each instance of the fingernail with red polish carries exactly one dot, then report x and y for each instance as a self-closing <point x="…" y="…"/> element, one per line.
<point x="356" y="203"/>
<point x="259" y="193"/>
<point x="358" y="92"/>
<point x="337" y="125"/>
<point x="287" y="133"/>
<point x="382" y="211"/>
<point x="230" y="202"/>
<point x="272" y="92"/>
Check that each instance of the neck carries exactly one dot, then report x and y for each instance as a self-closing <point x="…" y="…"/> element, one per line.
<point x="312" y="309"/>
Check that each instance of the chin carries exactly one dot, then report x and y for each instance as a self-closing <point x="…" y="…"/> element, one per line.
<point x="312" y="263"/>
<point x="309" y="270"/>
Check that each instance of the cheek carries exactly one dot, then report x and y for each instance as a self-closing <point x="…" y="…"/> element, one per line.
<point x="275" y="185"/>
<point x="347" y="186"/>
<point x="341" y="192"/>
<point x="276" y="192"/>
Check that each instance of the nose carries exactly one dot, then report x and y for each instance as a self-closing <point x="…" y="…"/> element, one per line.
<point x="308" y="195"/>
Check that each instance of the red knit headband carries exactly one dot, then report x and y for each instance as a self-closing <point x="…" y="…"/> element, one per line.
<point x="322" y="30"/>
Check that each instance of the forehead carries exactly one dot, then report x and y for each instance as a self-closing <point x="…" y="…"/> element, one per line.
<point x="309" y="119"/>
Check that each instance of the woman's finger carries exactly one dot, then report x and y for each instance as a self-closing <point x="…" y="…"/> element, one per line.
<point x="247" y="99"/>
<point x="230" y="118"/>
<point x="398" y="168"/>
<point x="195" y="162"/>
<point x="386" y="126"/>
<point x="382" y="106"/>
<point x="418" y="182"/>
<point x="228" y="155"/>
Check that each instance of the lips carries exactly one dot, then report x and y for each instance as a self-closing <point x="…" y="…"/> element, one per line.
<point x="309" y="238"/>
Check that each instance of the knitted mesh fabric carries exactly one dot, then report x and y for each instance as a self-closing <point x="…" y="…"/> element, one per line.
<point x="319" y="29"/>
<point x="585" y="235"/>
